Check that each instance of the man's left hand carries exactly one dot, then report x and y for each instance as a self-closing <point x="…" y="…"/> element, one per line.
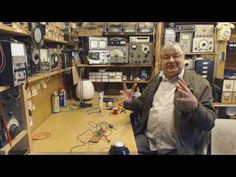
<point x="187" y="97"/>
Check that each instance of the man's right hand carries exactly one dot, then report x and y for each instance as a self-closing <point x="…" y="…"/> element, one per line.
<point x="128" y="93"/>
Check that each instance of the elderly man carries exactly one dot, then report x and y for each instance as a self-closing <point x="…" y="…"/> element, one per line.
<point x="176" y="108"/>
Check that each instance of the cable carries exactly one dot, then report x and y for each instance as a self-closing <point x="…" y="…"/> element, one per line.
<point x="5" y="124"/>
<point x="2" y="59"/>
<point x="97" y="126"/>
<point x="17" y="97"/>
<point x="89" y="123"/>
<point x="41" y="136"/>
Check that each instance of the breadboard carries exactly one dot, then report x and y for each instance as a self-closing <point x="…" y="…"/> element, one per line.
<point x="97" y="136"/>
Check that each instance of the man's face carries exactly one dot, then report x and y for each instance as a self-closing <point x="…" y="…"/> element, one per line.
<point x="172" y="61"/>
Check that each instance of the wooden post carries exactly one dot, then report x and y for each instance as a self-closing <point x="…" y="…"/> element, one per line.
<point x="159" y="36"/>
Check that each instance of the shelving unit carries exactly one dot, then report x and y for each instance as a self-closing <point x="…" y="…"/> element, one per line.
<point x="114" y="66"/>
<point x="4" y="29"/>
<point x="3" y="88"/>
<point x="113" y="87"/>
<point x="138" y="82"/>
<point x="142" y="71"/>
<point x="23" y="139"/>
<point x="224" y="105"/>
<point x="42" y="101"/>
<point x="126" y="34"/>
<point x="45" y="75"/>
<point x="52" y="40"/>
<point x="8" y="30"/>
<point x="202" y="53"/>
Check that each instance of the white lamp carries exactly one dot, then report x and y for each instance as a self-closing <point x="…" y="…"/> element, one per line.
<point x="84" y="90"/>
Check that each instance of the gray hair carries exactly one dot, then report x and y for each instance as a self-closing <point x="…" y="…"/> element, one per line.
<point x="170" y="46"/>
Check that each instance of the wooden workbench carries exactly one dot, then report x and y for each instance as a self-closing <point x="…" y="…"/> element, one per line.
<point x="64" y="128"/>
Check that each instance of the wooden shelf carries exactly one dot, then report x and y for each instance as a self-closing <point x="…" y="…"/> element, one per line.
<point x="230" y="67"/>
<point x="4" y="29"/>
<point x="202" y="53"/>
<point x="19" y="137"/>
<point x="114" y="66"/>
<point x="127" y="34"/>
<point x="52" y="40"/>
<point x="224" y="105"/>
<point x="3" y="88"/>
<point x="70" y="34"/>
<point x="138" y="82"/>
<point x="45" y="75"/>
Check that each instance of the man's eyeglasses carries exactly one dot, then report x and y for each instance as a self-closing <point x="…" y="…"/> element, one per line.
<point x="175" y="56"/>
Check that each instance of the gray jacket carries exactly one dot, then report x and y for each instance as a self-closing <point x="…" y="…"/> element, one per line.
<point x="192" y="128"/>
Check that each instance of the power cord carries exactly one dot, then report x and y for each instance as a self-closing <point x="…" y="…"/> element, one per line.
<point x="41" y="136"/>
<point x="97" y="126"/>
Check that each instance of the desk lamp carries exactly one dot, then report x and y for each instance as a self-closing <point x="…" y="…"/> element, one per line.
<point x="81" y="85"/>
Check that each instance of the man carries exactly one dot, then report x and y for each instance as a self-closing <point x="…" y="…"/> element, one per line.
<point x="176" y="108"/>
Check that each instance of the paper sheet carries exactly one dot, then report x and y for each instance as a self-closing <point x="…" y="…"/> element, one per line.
<point x="223" y="140"/>
<point x="75" y="75"/>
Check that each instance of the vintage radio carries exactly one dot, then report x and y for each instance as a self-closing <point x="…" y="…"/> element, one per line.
<point x="99" y="56"/>
<point x="119" y="54"/>
<point x="185" y="41"/>
<point x="185" y="28"/>
<point x="139" y="39"/>
<point x="35" y="60"/>
<point x="170" y="35"/>
<point x="140" y="53"/>
<point x="145" y="27"/>
<point x="54" y="57"/>
<point x="44" y="60"/>
<point x="115" y="27"/>
<point x="204" y="31"/>
<point x="97" y="43"/>
<point x="130" y="27"/>
<point x="117" y="41"/>
<point x="99" y="25"/>
<point x="13" y="61"/>
<point x="203" y="45"/>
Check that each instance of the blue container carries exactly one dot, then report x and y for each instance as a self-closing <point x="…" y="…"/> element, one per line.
<point x="62" y="95"/>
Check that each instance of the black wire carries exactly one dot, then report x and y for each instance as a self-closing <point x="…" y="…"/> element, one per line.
<point x="93" y="125"/>
<point x="17" y="97"/>
<point x="89" y="123"/>
<point x="3" y="59"/>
